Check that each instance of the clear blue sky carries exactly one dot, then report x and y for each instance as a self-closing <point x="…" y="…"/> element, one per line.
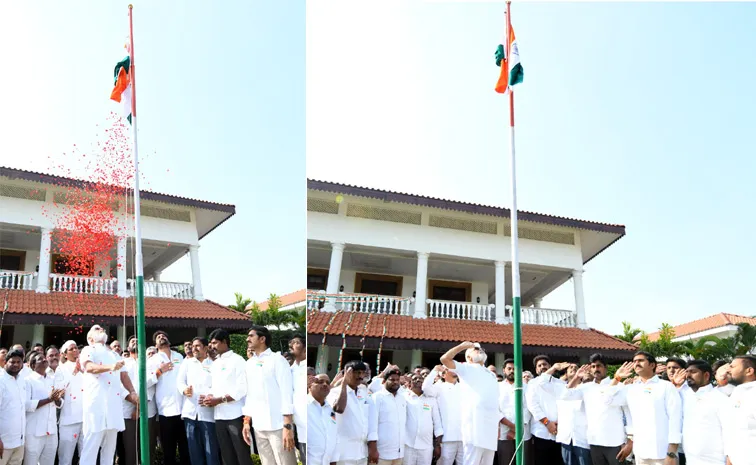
<point x="631" y="113"/>
<point x="221" y="116"/>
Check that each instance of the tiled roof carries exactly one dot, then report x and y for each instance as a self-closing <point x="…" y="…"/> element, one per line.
<point x="474" y="208"/>
<point x="439" y="329"/>
<point x="286" y="300"/>
<point x="71" y="305"/>
<point x="710" y="322"/>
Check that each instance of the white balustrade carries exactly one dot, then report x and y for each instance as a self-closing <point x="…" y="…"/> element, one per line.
<point x="546" y="316"/>
<point x="163" y="289"/>
<point x="17" y="280"/>
<point x="460" y="310"/>
<point x="82" y="284"/>
<point x="364" y="303"/>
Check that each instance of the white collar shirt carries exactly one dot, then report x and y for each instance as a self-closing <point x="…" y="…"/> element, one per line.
<point x="479" y="402"/>
<point x="323" y="433"/>
<point x="40" y="421"/>
<point x="25" y="371"/>
<point x="423" y="421"/>
<point x="73" y="401"/>
<point x="704" y="414"/>
<point x="169" y="400"/>
<point x="197" y="375"/>
<point x="299" y="382"/>
<point x="269" y="391"/>
<point x="449" y="399"/>
<point x="573" y="424"/>
<point x="354" y="423"/>
<point x="389" y="423"/>
<point x="726" y="389"/>
<point x="507" y="408"/>
<point x="741" y="432"/>
<point x="606" y="423"/>
<point x="542" y="396"/>
<point x="656" y="410"/>
<point x="102" y="408"/>
<point x="12" y="410"/>
<point x="131" y="367"/>
<point x="229" y="379"/>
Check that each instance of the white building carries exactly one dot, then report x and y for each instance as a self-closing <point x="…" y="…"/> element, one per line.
<point x="47" y="306"/>
<point x="420" y="274"/>
<point x="721" y="325"/>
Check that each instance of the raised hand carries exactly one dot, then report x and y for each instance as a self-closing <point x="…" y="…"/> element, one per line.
<point x="624" y="371"/>
<point x="680" y="378"/>
<point x="583" y="370"/>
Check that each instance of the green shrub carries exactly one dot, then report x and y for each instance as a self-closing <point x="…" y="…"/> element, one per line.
<point x="279" y="343"/>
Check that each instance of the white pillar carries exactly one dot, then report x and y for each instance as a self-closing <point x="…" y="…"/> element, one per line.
<point x="43" y="277"/>
<point x="121" y="336"/>
<point x="321" y="362"/>
<point x="421" y="286"/>
<point x="417" y="358"/>
<point x="499" y="358"/>
<point x="334" y="275"/>
<point x="38" y="336"/>
<point x="577" y="284"/>
<point x="121" y="267"/>
<point x="501" y="293"/>
<point x="194" y="257"/>
<point x="537" y="302"/>
<point x="201" y="331"/>
<point x="156" y="276"/>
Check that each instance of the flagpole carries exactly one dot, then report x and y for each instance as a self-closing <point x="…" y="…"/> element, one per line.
<point x="144" y="437"/>
<point x="516" y="312"/>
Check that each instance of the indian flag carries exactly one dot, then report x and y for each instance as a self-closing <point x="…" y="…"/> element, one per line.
<point x="122" y="86"/>
<point x="508" y="58"/>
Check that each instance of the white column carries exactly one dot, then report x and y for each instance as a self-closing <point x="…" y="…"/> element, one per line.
<point x="43" y="277"/>
<point x="201" y="331"/>
<point x="321" y="362"/>
<point x="38" y="336"/>
<point x="156" y="276"/>
<point x="577" y="284"/>
<point x="194" y="257"/>
<point x="501" y="294"/>
<point x="334" y="275"/>
<point x="121" y="336"/>
<point x="537" y="302"/>
<point x="121" y="267"/>
<point x="417" y="358"/>
<point x="421" y="286"/>
<point x="499" y="358"/>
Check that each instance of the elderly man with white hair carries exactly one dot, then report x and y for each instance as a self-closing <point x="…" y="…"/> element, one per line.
<point x="479" y="403"/>
<point x="68" y="376"/>
<point x="104" y="380"/>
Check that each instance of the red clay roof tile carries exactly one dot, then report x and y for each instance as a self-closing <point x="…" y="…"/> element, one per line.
<point x="286" y="299"/>
<point x="710" y="322"/>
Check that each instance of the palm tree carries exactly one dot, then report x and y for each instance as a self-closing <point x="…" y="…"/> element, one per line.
<point x="628" y="332"/>
<point x="746" y="339"/>
<point x="700" y="349"/>
<point x="241" y="303"/>
<point x="273" y="315"/>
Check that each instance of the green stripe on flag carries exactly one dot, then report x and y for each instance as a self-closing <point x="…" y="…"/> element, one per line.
<point x="516" y="74"/>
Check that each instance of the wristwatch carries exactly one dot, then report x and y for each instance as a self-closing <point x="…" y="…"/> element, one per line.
<point x="672" y="455"/>
<point x="288" y="426"/>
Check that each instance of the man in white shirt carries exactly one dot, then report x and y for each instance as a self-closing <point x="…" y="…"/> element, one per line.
<point x="542" y="405"/>
<point x="194" y="380"/>
<point x="25" y="370"/>
<point x="572" y="428"/>
<point x="52" y="354"/>
<point x="389" y="421"/>
<point x="704" y="414"/>
<point x="480" y="403"/>
<point x="226" y="397"/>
<point x="354" y="410"/>
<point x="606" y="427"/>
<point x="656" y="409"/>
<point x="68" y="376"/>
<point x="720" y="368"/>
<point x="507" y="445"/>
<point x="169" y="400"/>
<point x="298" y="349"/>
<point x="424" y="428"/>
<point x="447" y="393"/>
<point x="323" y="432"/>
<point x="741" y="434"/>
<point x="103" y="383"/>
<point x="129" y="437"/>
<point x="12" y="410"/>
<point x="269" y="403"/>
<point x="151" y="388"/>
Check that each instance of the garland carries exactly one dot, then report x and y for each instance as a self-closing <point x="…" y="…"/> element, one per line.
<point x="364" y="335"/>
<point x="343" y="336"/>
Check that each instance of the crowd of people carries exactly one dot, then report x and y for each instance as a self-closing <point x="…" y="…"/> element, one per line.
<point x="673" y="413"/>
<point x="207" y="406"/>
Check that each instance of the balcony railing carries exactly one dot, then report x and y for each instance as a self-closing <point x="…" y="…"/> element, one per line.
<point x="546" y="316"/>
<point x="364" y="303"/>
<point x="17" y="280"/>
<point x="460" y="310"/>
<point x="82" y="284"/>
<point x="163" y="289"/>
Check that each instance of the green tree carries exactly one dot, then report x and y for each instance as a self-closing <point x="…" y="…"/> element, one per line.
<point x="701" y="349"/>
<point x="628" y="332"/>
<point x="273" y="316"/>
<point x="241" y="303"/>
<point x="746" y="339"/>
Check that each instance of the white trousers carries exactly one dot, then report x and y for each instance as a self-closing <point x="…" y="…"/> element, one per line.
<point x="93" y="442"/>
<point x="414" y="456"/>
<point x="353" y="462"/>
<point x="477" y="455"/>
<point x="40" y="449"/>
<point x="451" y="451"/>
<point x="69" y="436"/>
<point x="271" y="450"/>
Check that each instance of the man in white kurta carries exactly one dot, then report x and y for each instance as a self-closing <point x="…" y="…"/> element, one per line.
<point x="298" y="349"/>
<point x="68" y="376"/>
<point x="480" y="403"/>
<point x="741" y="435"/>
<point x="42" y="401"/>
<point x="447" y="394"/>
<point x="388" y="423"/>
<point x="103" y="383"/>
<point x="12" y="410"/>
<point x="323" y="432"/>
<point x="354" y="412"/>
<point x="507" y="445"/>
<point x="423" y="428"/>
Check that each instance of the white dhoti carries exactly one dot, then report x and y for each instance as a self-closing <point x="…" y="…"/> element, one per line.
<point x="41" y="449"/>
<point x="93" y="442"/>
<point x="450" y="452"/>
<point x="477" y="455"/>
<point x="417" y="456"/>
<point x="69" y="436"/>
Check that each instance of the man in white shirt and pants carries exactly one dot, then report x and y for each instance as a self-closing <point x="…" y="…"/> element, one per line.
<point x="42" y="401"/>
<point x="541" y="399"/>
<point x="572" y="431"/>
<point x="103" y="383"/>
<point x="741" y="435"/>
<point x="68" y="376"/>
<point x="480" y="403"/>
<point x="298" y="349"/>
<point x="447" y="393"/>
<point x="389" y="421"/>
<point x="269" y="403"/>
<point x="12" y="410"/>
<point x="424" y="428"/>
<point x="656" y="409"/>
<point x="507" y="446"/>
<point x="354" y="410"/>
<point x="323" y="432"/>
